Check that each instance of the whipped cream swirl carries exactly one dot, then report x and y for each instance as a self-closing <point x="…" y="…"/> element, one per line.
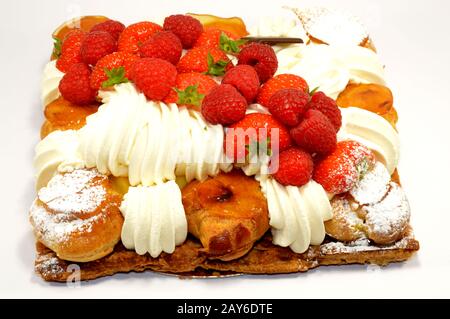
<point x="50" y="83"/>
<point x="155" y="221"/>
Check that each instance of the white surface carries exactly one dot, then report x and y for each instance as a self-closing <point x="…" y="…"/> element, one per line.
<point x="412" y="38"/>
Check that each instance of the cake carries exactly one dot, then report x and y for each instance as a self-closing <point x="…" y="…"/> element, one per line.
<point x="201" y="147"/>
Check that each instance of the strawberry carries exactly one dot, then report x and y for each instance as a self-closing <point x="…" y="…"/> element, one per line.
<point x="154" y="77"/>
<point x="115" y="28"/>
<point x="328" y="107"/>
<point x="75" y="87"/>
<point x="278" y="82"/>
<point x="223" y="105"/>
<point x="315" y="133"/>
<point x="340" y="171"/>
<point x="185" y="27"/>
<point x="70" y="51"/>
<point x="96" y="45"/>
<point x="164" y="45"/>
<point x="245" y="79"/>
<point x="262" y="57"/>
<point x="238" y="146"/>
<point x="295" y="167"/>
<point x="190" y="89"/>
<point x="216" y="38"/>
<point x="133" y="36"/>
<point x="288" y="106"/>
<point x="204" y="60"/>
<point x="112" y="69"/>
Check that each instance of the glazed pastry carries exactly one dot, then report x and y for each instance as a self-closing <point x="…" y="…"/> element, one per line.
<point x="190" y="152"/>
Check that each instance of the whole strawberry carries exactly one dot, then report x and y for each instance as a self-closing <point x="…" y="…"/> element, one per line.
<point x="262" y="57"/>
<point x="154" y="77"/>
<point x="279" y="82"/>
<point x="245" y="79"/>
<point x="75" y="85"/>
<point x="315" y="133"/>
<point x="288" y="106"/>
<point x="340" y="171"/>
<point x="204" y="60"/>
<point x="163" y="45"/>
<point x="190" y="89"/>
<point x="185" y="27"/>
<point x="70" y="50"/>
<point x="224" y="105"/>
<point x="133" y="36"/>
<point x="96" y="45"/>
<point x="295" y="167"/>
<point x="328" y="107"/>
<point x="113" y="27"/>
<point x="255" y="130"/>
<point x="217" y="38"/>
<point x="112" y="69"/>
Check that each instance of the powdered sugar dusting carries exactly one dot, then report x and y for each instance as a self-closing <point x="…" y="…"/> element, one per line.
<point x="391" y="215"/>
<point x="332" y="26"/>
<point x="48" y="266"/>
<point x="68" y="193"/>
<point x="67" y="199"/>
<point x="359" y="246"/>
<point x="373" y="186"/>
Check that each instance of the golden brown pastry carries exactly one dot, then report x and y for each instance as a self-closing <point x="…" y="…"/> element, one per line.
<point x="77" y="216"/>
<point x="228" y="213"/>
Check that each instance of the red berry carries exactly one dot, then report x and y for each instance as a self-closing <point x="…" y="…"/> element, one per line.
<point x="112" y="69"/>
<point x="133" y="36"/>
<point x="295" y="167"/>
<point x="288" y="106"/>
<point x="315" y="133"/>
<point x="262" y="57"/>
<point x="163" y="45"/>
<point x="204" y="60"/>
<point x="190" y="89"/>
<point x="278" y="82"/>
<point x="210" y="38"/>
<point x="70" y="50"/>
<point x="75" y="86"/>
<point x="113" y="27"/>
<point x="339" y="171"/>
<point x="154" y="77"/>
<point x="328" y="107"/>
<point x="96" y="45"/>
<point x="187" y="28"/>
<point x="224" y="105"/>
<point x="237" y="146"/>
<point x="245" y="79"/>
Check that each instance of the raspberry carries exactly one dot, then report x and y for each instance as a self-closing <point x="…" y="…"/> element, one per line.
<point x="295" y="167"/>
<point x="278" y="82"/>
<point x="113" y="27"/>
<point x="75" y="86"/>
<point x="96" y="45"/>
<point x="245" y="79"/>
<point x="315" y="133"/>
<point x="224" y="105"/>
<point x="70" y="50"/>
<point x="328" y="107"/>
<point x="163" y="45"/>
<point x="187" y="28"/>
<point x="155" y="77"/>
<point x="262" y="57"/>
<point x="288" y="106"/>
<point x="339" y="171"/>
<point x="255" y="122"/>
<point x="204" y="60"/>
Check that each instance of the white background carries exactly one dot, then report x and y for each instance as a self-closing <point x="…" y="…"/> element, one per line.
<point x="412" y="40"/>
